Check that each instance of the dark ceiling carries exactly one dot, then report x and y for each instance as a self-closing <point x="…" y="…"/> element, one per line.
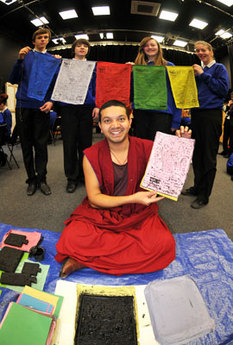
<point x="126" y="26"/>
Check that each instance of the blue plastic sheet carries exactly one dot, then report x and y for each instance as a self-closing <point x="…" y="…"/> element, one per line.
<point x="207" y="256"/>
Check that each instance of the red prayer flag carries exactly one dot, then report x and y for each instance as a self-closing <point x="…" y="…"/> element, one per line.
<point x="113" y="82"/>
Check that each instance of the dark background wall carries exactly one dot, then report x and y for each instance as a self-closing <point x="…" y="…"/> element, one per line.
<point x="111" y="53"/>
<point x="8" y="55"/>
<point x="125" y="53"/>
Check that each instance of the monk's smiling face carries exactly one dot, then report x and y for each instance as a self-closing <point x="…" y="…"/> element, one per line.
<point x="115" y="124"/>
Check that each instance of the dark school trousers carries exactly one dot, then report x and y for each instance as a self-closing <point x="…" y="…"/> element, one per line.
<point x="33" y="129"/>
<point x="206" y="130"/>
<point x="147" y="123"/>
<point x="76" y="125"/>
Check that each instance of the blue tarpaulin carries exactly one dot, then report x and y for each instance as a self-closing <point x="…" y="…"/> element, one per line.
<point x="207" y="256"/>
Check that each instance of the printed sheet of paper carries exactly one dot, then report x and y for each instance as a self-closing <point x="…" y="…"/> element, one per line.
<point x="73" y="80"/>
<point x="183" y="86"/>
<point x="168" y="165"/>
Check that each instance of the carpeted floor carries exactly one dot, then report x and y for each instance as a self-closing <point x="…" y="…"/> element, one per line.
<point x="49" y="212"/>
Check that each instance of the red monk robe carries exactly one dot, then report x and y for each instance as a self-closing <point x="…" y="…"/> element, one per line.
<point x="127" y="239"/>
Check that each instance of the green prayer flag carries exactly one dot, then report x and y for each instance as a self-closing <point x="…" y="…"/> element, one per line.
<point x="150" y="87"/>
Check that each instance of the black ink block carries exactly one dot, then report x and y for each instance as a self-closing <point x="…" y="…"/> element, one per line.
<point x="10" y="258"/>
<point x="31" y="268"/>
<point x="16" y="240"/>
<point x="19" y="279"/>
<point x="106" y="320"/>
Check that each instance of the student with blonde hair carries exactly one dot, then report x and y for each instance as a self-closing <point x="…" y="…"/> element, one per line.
<point x="148" y="122"/>
<point x="212" y="84"/>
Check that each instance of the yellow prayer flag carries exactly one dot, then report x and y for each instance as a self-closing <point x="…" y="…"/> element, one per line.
<point x="183" y="86"/>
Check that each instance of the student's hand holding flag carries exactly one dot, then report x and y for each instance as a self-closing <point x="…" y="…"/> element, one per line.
<point x="23" y="52"/>
<point x="95" y="113"/>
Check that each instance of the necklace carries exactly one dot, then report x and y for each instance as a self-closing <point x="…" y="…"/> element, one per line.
<point x="118" y="161"/>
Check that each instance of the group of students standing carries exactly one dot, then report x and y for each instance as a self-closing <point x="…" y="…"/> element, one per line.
<point x="32" y="116"/>
<point x="117" y="228"/>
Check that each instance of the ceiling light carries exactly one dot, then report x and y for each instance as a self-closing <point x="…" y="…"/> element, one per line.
<point x="101" y="10"/>
<point x="199" y="24"/>
<point x="109" y="35"/>
<point x="59" y="40"/>
<point x="8" y="2"/>
<point x="39" y="21"/>
<point x="180" y="43"/>
<point x="84" y="36"/>
<point x="219" y="32"/>
<point x="226" y="2"/>
<point x="226" y="35"/>
<point x="158" y="38"/>
<point x="68" y="14"/>
<point x="167" y="15"/>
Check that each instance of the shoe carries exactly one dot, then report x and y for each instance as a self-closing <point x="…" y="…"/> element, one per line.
<point x="31" y="188"/>
<point x="189" y="191"/>
<point x="69" y="266"/>
<point x="232" y="178"/>
<point x="45" y="189"/>
<point x="198" y="203"/>
<point x="71" y="186"/>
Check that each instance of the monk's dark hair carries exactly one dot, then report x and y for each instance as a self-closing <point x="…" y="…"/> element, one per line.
<point x="113" y="103"/>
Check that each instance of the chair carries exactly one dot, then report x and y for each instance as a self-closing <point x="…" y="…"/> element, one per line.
<point x="9" y="144"/>
<point x="55" y="126"/>
<point x="53" y="116"/>
<point x="10" y="147"/>
<point x="55" y="131"/>
<point x="3" y="156"/>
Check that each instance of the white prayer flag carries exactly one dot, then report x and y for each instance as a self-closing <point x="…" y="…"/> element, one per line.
<point x="73" y="80"/>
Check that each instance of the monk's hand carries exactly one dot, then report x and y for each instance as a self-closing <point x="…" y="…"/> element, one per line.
<point x="184" y="132"/>
<point x="147" y="198"/>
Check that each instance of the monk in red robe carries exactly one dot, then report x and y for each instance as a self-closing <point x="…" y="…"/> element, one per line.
<point x="116" y="229"/>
